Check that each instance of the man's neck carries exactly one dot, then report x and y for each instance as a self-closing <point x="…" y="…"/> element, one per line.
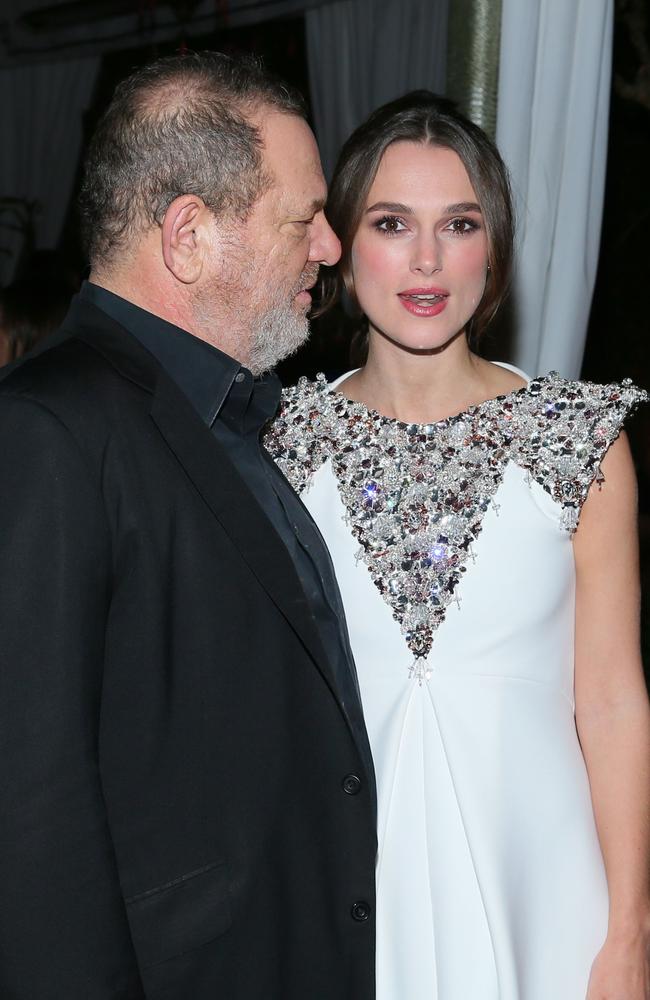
<point x="157" y="296"/>
<point x="145" y="293"/>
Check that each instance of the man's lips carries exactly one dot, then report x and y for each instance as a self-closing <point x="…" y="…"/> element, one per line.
<point x="424" y="301"/>
<point x="304" y="295"/>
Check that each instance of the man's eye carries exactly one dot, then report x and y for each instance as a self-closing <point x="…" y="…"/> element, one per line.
<point x="390" y="224"/>
<point x="298" y="228"/>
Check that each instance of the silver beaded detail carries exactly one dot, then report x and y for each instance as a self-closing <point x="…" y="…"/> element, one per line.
<point x="416" y="494"/>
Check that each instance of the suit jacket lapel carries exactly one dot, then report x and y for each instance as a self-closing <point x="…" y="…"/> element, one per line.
<point x="213" y="475"/>
<point x="235" y="507"/>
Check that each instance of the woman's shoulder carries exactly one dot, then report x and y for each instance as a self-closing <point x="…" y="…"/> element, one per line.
<point x="614" y="396"/>
<point x="561" y="430"/>
<point x="562" y="401"/>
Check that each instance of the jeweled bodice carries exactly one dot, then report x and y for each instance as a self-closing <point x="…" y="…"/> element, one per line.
<point x="415" y="495"/>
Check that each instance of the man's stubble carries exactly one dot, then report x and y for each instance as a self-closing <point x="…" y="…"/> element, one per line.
<point x="282" y="329"/>
<point x="255" y="318"/>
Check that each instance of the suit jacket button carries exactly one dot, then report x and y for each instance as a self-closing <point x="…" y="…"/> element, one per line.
<point x="351" y="784"/>
<point x="360" y="911"/>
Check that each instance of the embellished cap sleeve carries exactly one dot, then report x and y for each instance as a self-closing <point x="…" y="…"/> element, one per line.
<point x="566" y="432"/>
<point x="297" y="439"/>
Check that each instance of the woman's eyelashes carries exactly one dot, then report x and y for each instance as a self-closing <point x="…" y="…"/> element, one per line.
<point x="462" y="226"/>
<point x="391" y="225"/>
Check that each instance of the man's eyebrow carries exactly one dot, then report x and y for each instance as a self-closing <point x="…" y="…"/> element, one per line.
<point x="313" y="208"/>
<point x="399" y="208"/>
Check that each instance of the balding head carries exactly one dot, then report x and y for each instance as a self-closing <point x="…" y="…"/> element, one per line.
<point x="181" y="125"/>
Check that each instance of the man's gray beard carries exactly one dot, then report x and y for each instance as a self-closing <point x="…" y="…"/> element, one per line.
<point x="276" y="335"/>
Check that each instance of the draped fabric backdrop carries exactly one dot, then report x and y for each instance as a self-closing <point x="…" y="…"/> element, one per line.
<point x="46" y="85"/>
<point x="363" y="53"/>
<point x="553" y="98"/>
<point x="553" y="106"/>
<point x="473" y="59"/>
<point x="41" y="110"/>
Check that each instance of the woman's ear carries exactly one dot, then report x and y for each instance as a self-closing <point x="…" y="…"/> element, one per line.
<point x="185" y="238"/>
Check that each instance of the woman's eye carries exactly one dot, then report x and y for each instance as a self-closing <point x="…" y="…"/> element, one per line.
<point x="462" y="226"/>
<point x="390" y="225"/>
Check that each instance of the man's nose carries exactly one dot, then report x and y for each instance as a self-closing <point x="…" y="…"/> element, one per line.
<point x="325" y="244"/>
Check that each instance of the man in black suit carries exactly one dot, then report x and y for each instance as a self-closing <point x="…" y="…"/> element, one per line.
<point x="186" y="791"/>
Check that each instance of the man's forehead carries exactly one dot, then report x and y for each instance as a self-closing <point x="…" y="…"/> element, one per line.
<point x="288" y="142"/>
<point x="301" y="201"/>
<point x="296" y="173"/>
<point x="290" y="205"/>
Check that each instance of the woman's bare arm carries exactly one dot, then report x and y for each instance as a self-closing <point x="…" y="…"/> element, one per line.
<point x="613" y="720"/>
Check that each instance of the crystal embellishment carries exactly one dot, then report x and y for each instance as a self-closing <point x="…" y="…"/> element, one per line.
<point x="416" y="494"/>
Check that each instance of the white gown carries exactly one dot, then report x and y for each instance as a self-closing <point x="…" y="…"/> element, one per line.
<point x="452" y="547"/>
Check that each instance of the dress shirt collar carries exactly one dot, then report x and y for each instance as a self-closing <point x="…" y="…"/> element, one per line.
<point x="216" y="384"/>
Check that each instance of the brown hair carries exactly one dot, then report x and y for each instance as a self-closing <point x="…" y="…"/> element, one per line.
<point x="422" y="117"/>
<point x="29" y="312"/>
<point x="179" y="125"/>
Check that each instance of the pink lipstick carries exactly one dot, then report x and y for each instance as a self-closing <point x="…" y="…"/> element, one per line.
<point x="424" y="301"/>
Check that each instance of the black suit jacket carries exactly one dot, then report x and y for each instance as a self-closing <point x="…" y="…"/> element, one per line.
<point x="174" y="816"/>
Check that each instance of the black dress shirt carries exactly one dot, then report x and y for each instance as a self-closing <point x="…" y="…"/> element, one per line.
<point x="236" y="407"/>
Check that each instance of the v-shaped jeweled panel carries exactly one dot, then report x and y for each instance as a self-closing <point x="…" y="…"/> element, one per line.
<point x="415" y="495"/>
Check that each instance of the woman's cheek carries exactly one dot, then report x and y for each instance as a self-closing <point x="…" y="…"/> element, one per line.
<point x="376" y="263"/>
<point x="470" y="259"/>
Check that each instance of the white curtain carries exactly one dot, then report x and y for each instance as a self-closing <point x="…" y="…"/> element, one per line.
<point x="554" y="84"/>
<point x="363" y="53"/>
<point x="41" y="109"/>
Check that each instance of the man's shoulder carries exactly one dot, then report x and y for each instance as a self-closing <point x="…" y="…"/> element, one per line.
<point x="74" y="369"/>
<point x="70" y="394"/>
<point x="58" y="354"/>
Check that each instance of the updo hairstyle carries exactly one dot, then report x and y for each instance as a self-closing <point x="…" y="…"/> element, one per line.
<point x="422" y="117"/>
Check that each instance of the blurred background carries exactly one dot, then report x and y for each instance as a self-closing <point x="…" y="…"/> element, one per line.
<point x="563" y="86"/>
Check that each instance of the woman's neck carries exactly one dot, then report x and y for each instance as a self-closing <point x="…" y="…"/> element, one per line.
<point x="423" y="388"/>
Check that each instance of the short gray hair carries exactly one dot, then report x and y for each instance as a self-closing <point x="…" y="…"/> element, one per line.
<point x="180" y="125"/>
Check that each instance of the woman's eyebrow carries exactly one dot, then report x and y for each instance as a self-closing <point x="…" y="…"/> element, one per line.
<point x="398" y="207"/>
<point x="390" y="206"/>
<point x="462" y="206"/>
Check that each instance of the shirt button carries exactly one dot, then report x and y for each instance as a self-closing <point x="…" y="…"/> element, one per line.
<point x="360" y="911"/>
<point x="351" y="784"/>
<point x="239" y="377"/>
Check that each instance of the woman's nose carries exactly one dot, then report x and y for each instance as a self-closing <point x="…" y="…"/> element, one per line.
<point x="427" y="255"/>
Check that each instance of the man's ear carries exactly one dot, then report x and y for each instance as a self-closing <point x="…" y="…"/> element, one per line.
<point x="185" y="238"/>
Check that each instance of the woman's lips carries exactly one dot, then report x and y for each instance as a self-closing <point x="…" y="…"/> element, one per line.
<point x="424" y="301"/>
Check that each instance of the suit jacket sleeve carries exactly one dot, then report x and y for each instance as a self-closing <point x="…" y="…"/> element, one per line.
<point x="63" y="928"/>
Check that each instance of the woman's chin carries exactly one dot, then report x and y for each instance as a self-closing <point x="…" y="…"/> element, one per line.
<point x="419" y="345"/>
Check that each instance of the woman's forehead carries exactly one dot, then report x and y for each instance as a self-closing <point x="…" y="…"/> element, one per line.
<point x="426" y="173"/>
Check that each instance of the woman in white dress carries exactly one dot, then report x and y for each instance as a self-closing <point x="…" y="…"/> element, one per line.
<point x="495" y="637"/>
